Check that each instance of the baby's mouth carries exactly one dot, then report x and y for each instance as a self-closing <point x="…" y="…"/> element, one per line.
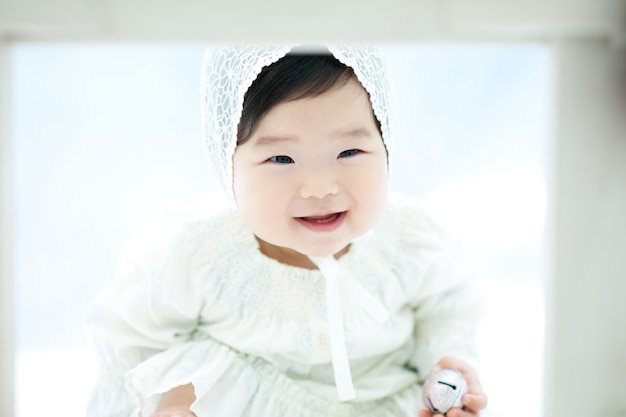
<point x="323" y="219"/>
<point x="324" y="222"/>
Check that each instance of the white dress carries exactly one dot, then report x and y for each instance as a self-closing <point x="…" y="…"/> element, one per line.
<point x="198" y="302"/>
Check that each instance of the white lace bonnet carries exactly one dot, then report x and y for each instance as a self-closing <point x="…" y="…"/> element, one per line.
<point x="228" y="72"/>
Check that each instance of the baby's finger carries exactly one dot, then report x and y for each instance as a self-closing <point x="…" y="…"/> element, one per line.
<point x="458" y="412"/>
<point x="424" y="413"/>
<point x="475" y="402"/>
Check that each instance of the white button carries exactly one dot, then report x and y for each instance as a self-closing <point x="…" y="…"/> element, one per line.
<point x="322" y="341"/>
<point x="321" y="285"/>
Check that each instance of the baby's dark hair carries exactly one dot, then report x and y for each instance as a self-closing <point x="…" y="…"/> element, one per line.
<point x="295" y="76"/>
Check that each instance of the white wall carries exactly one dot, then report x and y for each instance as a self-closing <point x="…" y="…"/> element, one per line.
<point x="6" y="238"/>
<point x="586" y="351"/>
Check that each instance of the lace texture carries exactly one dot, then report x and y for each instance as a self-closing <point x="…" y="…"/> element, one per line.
<point x="228" y="72"/>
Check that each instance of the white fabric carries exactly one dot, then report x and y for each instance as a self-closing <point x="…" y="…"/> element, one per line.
<point x="198" y="302"/>
<point x="228" y="72"/>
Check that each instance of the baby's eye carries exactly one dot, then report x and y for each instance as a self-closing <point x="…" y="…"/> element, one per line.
<point x="348" y="153"/>
<point x="281" y="159"/>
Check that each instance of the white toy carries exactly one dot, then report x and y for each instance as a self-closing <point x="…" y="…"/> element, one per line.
<point x="444" y="390"/>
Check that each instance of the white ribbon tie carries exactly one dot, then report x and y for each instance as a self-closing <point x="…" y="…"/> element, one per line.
<point x="338" y="279"/>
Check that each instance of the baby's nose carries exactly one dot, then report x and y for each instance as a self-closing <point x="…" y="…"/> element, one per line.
<point x="319" y="185"/>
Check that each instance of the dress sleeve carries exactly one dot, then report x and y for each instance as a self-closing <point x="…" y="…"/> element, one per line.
<point x="446" y="293"/>
<point x="446" y="324"/>
<point x="149" y="310"/>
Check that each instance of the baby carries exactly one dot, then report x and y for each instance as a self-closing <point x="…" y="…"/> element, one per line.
<point x="319" y="293"/>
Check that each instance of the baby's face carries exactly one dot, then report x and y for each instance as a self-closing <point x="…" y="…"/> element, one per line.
<point x="313" y="176"/>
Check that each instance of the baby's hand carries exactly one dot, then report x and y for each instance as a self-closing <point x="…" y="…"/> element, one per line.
<point x="475" y="399"/>
<point x="176" y="402"/>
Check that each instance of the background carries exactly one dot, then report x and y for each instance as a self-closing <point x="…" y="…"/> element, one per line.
<point x="105" y="133"/>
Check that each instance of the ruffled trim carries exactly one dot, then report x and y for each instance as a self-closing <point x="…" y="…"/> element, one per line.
<point x="229" y="383"/>
<point x="109" y="397"/>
